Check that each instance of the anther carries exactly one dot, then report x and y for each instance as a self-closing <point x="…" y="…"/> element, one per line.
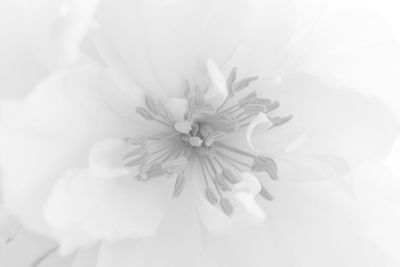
<point x="226" y="206"/>
<point x="278" y="121"/>
<point x="262" y="163"/>
<point x="179" y="185"/>
<point x="230" y="176"/>
<point x="211" y="197"/>
<point x="144" y="113"/>
<point x="183" y="126"/>
<point x="247" y="98"/>
<point x="242" y="84"/>
<point x="265" y="194"/>
<point x="222" y="183"/>
<point x="152" y="105"/>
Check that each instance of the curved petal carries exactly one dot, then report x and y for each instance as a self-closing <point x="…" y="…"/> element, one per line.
<point x="255" y="246"/>
<point x="86" y="257"/>
<point x="377" y="192"/>
<point x="35" y="248"/>
<point x="347" y="44"/>
<point x="264" y="51"/>
<point x="315" y="224"/>
<point x="334" y="121"/>
<point x="57" y="28"/>
<point x="165" y="43"/>
<point x="51" y="131"/>
<point x="260" y="119"/>
<point x="177" y="243"/>
<point x="106" y="158"/>
<point x="83" y="208"/>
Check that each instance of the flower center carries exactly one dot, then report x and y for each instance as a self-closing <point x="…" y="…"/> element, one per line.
<point x="198" y="137"/>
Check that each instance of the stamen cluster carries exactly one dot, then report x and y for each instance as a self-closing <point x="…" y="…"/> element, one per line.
<point x="198" y="138"/>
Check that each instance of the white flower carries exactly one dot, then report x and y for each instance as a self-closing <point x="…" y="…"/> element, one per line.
<point x="155" y="145"/>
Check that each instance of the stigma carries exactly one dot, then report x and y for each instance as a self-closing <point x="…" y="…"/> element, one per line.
<point x="200" y="136"/>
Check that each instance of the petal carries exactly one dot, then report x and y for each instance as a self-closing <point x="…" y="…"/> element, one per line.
<point x="106" y="158"/>
<point x="217" y="79"/>
<point x="164" y="44"/>
<point x="33" y="247"/>
<point x="17" y="56"/>
<point x="315" y="224"/>
<point x="334" y="121"/>
<point x="377" y="191"/>
<point x="86" y="257"/>
<point x="348" y="44"/>
<point x="83" y="208"/>
<point x="254" y="246"/>
<point x="177" y="243"/>
<point x="51" y="131"/>
<point x="58" y="27"/>
<point x="260" y="119"/>
<point x="264" y="50"/>
<point x="246" y="212"/>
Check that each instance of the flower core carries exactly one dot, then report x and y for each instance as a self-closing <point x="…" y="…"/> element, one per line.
<point x="197" y="136"/>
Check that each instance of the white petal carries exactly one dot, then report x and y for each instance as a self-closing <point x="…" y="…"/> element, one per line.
<point x="260" y="119"/>
<point x="51" y="131"/>
<point x="315" y="224"/>
<point x="218" y="81"/>
<point x="86" y="257"/>
<point x="177" y="243"/>
<point x="334" y="120"/>
<point x="83" y="209"/>
<point x="377" y="192"/>
<point x="58" y="28"/>
<point x="106" y="158"/>
<point x="165" y="44"/>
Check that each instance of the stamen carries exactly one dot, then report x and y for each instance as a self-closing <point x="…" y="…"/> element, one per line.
<point x="278" y="121"/>
<point x="144" y="113"/>
<point x="174" y="166"/>
<point x="229" y="82"/>
<point x="179" y="185"/>
<point x="152" y="105"/>
<point x="211" y="197"/>
<point x="229" y="176"/>
<point x="198" y="136"/>
<point x="265" y="194"/>
<point x="262" y="163"/>
<point x="140" y="160"/>
<point x="139" y="150"/>
<point x="183" y="126"/>
<point x="195" y="141"/>
<point x="215" y="136"/>
<point x="136" y="140"/>
<point x="242" y="84"/>
<point x="235" y="150"/>
<point x="226" y="157"/>
<point x="221" y="182"/>
<point x="226" y="206"/>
